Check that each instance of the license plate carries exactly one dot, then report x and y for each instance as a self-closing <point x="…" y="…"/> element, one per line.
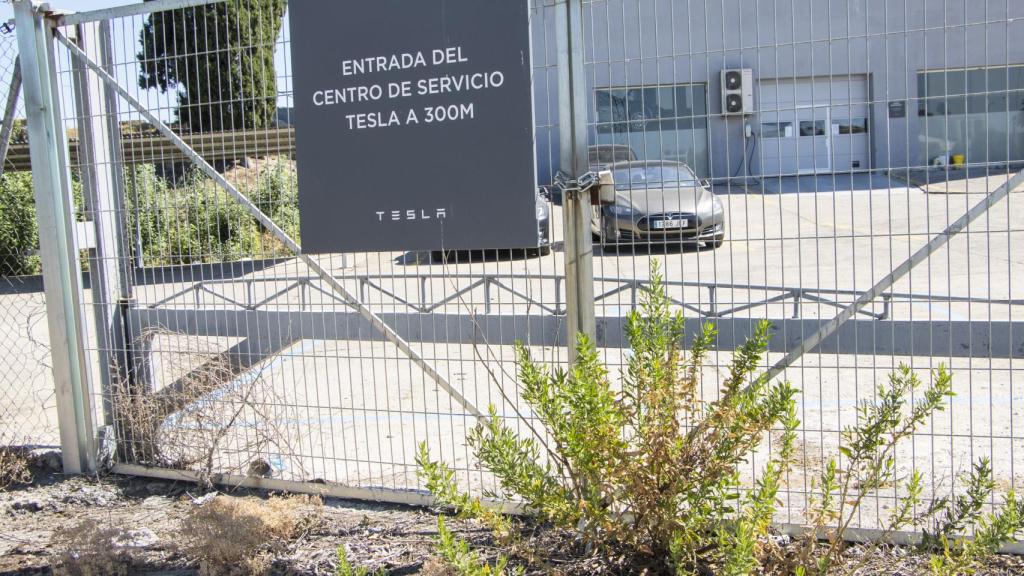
<point x="665" y="224"/>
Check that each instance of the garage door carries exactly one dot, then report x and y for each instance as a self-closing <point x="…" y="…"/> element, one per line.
<point x="813" y="126"/>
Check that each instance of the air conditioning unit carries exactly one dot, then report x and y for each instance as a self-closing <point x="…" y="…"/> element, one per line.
<point x="737" y="92"/>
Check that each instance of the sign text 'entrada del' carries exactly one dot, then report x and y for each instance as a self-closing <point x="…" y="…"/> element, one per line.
<point x="414" y="125"/>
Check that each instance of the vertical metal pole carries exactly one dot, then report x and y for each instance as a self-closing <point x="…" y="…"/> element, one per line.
<point x="103" y="183"/>
<point x="576" y="215"/>
<point x="10" y="112"/>
<point x="51" y="179"/>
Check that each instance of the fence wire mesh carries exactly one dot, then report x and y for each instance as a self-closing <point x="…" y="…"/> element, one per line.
<point x="27" y="400"/>
<point x="869" y="128"/>
<point x="864" y="129"/>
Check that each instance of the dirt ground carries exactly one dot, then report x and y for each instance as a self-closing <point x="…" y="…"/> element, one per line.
<point x="32" y="521"/>
<point x="43" y="526"/>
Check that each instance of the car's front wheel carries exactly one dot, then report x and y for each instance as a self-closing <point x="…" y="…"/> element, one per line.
<point x="609" y="235"/>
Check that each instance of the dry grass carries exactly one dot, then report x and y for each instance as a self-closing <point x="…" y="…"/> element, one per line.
<point x="214" y="418"/>
<point x="90" y="549"/>
<point x="231" y="536"/>
<point x="14" y="467"/>
<point x="435" y="566"/>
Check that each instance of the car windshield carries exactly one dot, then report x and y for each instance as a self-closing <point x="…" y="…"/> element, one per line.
<point x="603" y="155"/>
<point x="654" y="176"/>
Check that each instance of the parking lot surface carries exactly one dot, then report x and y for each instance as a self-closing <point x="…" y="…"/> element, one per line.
<point x="362" y="406"/>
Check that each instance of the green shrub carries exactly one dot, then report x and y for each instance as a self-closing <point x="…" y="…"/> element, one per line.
<point x="652" y="472"/>
<point x="191" y="222"/>
<point x="275" y="194"/>
<point x="649" y="468"/>
<point x="868" y="449"/>
<point x="196" y="221"/>
<point x="146" y="204"/>
<point x="19" y="231"/>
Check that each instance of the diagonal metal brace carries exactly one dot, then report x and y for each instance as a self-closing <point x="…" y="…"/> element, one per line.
<point x="899" y="272"/>
<point x="376" y="321"/>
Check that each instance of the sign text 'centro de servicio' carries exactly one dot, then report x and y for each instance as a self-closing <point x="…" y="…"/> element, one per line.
<point x="414" y="124"/>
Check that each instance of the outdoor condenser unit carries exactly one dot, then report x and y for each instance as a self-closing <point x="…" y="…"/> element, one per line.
<point x="737" y="92"/>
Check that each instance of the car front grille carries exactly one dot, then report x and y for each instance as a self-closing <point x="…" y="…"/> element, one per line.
<point x="648" y="223"/>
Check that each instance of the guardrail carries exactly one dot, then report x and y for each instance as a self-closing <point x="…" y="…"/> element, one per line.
<point x="711" y="307"/>
<point x="149" y="149"/>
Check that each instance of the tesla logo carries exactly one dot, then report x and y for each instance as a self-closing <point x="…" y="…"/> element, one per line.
<point x="411" y="215"/>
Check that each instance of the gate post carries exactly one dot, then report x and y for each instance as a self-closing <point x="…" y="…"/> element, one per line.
<point x="51" y="178"/>
<point x="574" y="157"/>
<point x="102" y="173"/>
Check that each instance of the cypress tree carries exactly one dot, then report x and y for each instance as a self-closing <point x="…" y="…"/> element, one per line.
<point x="220" y="59"/>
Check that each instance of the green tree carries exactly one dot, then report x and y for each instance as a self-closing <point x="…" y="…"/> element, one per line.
<point x="220" y="60"/>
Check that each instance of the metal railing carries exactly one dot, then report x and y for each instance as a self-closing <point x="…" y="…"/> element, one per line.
<point x="205" y="294"/>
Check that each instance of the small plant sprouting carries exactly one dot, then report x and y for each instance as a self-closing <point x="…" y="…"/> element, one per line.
<point x="458" y="555"/>
<point x="953" y="553"/>
<point x="345" y="568"/>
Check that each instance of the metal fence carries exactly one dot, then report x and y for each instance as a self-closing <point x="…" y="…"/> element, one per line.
<point x="867" y="209"/>
<point x="27" y="399"/>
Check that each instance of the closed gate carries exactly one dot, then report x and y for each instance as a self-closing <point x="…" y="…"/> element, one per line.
<point x="198" y="340"/>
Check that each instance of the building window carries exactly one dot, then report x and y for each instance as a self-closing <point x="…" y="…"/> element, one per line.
<point x="812" y="128"/>
<point x="853" y="126"/>
<point x="621" y="110"/>
<point x="656" y="122"/>
<point x="977" y="113"/>
<point x="981" y="90"/>
<point x="776" y="130"/>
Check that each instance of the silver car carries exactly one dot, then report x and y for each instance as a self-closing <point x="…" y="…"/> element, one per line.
<point x="660" y="202"/>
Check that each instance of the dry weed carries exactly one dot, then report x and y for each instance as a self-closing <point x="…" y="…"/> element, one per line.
<point x="435" y="566"/>
<point x="90" y="549"/>
<point x="214" y="418"/>
<point x="14" y="467"/>
<point x="231" y="536"/>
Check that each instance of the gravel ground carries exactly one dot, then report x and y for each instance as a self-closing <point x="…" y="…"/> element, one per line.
<point x="35" y="520"/>
<point x="31" y="520"/>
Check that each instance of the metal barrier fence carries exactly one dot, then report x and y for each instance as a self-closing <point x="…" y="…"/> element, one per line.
<point x="27" y="400"/>
<point x="865" y="133"/>
<point x="860" y="196"/>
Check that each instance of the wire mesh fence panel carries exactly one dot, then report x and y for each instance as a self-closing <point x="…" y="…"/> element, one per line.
<point x="242" y="356"/>
<point x="790" y="156"/>
<point x="27" y="403"/>
<point x="844" y="170"/>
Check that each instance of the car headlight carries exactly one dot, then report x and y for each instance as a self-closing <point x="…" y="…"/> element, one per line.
<point x="712" y="205"/>
<point x="717" y="204"/>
